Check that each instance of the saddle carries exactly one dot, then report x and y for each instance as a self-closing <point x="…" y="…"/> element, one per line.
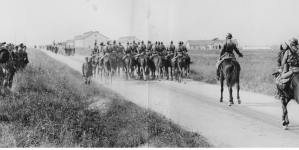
<point x="224" y="57"/>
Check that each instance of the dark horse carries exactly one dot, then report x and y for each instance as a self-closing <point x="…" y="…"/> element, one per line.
<point x="230" y="71"/>
<point x="110" y="67"/>
<point x="158" y="64"/>
<point x="129" y="66"/>
<point x="291" y="92"/>
<point x="143" y="61"/>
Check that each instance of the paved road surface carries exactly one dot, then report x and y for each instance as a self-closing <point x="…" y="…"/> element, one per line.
<point x="196" y="107"/>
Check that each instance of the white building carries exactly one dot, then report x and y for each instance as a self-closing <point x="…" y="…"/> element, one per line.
<point x="256" y="48"/>
<point x="88" y="39"/>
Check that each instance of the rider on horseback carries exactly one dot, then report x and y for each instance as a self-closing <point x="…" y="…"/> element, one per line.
<point x="290" y="65"/>
<point x="227" y="52"/>
<point x="95" y="49"/>
<point x="120" y="49"/>
<point x="128" y="51"/>
<point x="149" y="47"/>
<point x="179" y="51"/>
<point x="141" y="50"/>
<point x="106" y="51"/>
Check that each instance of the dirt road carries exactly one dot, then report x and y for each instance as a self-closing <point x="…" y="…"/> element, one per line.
<point x="196" y="107"/>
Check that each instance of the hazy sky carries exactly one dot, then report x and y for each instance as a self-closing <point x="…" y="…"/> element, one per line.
<point x="252" y="22"/>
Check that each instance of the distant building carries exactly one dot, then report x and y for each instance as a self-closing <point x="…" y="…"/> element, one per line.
<point x="256" y="48"/>
<point x="207" y="44"/>
<point x="88" y="39"/>
<point x="130" y="39"/>
<point x="70" y="43"/>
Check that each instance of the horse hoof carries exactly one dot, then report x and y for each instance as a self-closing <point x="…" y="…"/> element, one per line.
<point x="230" y="104"/>
<point x="159" y="79"/>
<point x="285" y="127"/>
<point x="239" y="101"/>
<point x="221" y="101"/>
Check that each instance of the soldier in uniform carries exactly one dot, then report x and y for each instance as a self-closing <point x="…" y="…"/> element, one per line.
<point x="171" y="48"/>
<point x="121" y="49"/>
<point x="227" y="50"/>
<point x="26" y="61"/>
<point x="87" y="70"/>
<point x="279" y="70"/>
<point x="95" y="49"/>
<point x="102" y="46"/>
<point x="114" y="47"/>
<point x="149" y="48"/>
<point x="141" y="49"/>
<point x="107" y="51"/>
<point x="129" y="50"/>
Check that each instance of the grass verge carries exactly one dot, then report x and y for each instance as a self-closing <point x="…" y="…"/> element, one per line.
<point x="49" y="106"/>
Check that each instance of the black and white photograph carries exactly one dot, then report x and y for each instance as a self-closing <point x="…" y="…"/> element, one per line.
<point x="149" y="74"/>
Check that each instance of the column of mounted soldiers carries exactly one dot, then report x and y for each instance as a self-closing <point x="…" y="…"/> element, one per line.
<point x="60" y="48"/>
<point x="13" y="58"/>
<point x="135" y="50"/>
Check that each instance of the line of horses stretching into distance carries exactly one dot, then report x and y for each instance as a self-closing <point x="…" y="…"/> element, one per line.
<point x="142" y="67"/>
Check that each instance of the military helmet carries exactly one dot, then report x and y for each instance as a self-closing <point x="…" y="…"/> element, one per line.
<point x="293" y="41"/>
<point x="119" y="43"/>
<point x="128" y="43"/>
<point x="171" y="42"/>
<point x="179" y="42"/>
<point x="148" y="41"/>
<point x="108" y="42"/>
<point x="114" y="41"/>
<point x="133" y="41"/>
<point x="161" y="42"/>
<point x="142" y="42"/>
<point x="156" y="42"/>
<point x="229" y="35"/>
<point x="86" y="58"/>
<point x="182" y="42"/>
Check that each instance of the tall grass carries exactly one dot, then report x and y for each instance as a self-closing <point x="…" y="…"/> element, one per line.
<point x="256" y="69"/>
<point x="49" y="106"/>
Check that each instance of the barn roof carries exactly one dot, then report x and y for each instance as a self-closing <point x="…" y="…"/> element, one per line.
<point x="206" y="42"/>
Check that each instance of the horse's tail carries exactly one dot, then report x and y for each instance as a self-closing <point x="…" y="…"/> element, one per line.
<point x="232" y="77"/>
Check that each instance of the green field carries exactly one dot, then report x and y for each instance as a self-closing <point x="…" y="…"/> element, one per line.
<point x="256" y="69"/>
<point x="49" y="106"/>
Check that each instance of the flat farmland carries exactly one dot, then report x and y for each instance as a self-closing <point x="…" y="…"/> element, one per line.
<point x="257" y="67"/>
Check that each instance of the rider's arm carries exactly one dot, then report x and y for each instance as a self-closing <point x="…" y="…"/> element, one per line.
<point x="237" y="51"/>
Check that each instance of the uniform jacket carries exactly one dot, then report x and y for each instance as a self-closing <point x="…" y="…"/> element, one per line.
<point x="229" y="47"/>
<point x="87" y="69"/>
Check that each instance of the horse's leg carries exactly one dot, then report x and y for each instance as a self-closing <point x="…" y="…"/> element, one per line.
<point x="285" y="119"/>
<point x="185" y="73"/>
<point x="231" y="101"/>
<point x="143" y="71"/>
<point x="238" y="89"/>
<point x="221" y="90"/>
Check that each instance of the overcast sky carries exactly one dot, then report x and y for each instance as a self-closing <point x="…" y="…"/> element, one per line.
<point x="252" y="22"/>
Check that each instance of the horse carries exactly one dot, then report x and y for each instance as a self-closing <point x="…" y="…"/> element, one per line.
<point x="181" y="69"/>
<point x="158" y="66"/>
<point x="110" y="67"/>
<point x="99" y="68"/>
<point x="169" y="64"/>
<point x="129" y="66"/>
<point x="143" y="61"/>
<point x="230" y="71"/>
<point x="120" y="63"/>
